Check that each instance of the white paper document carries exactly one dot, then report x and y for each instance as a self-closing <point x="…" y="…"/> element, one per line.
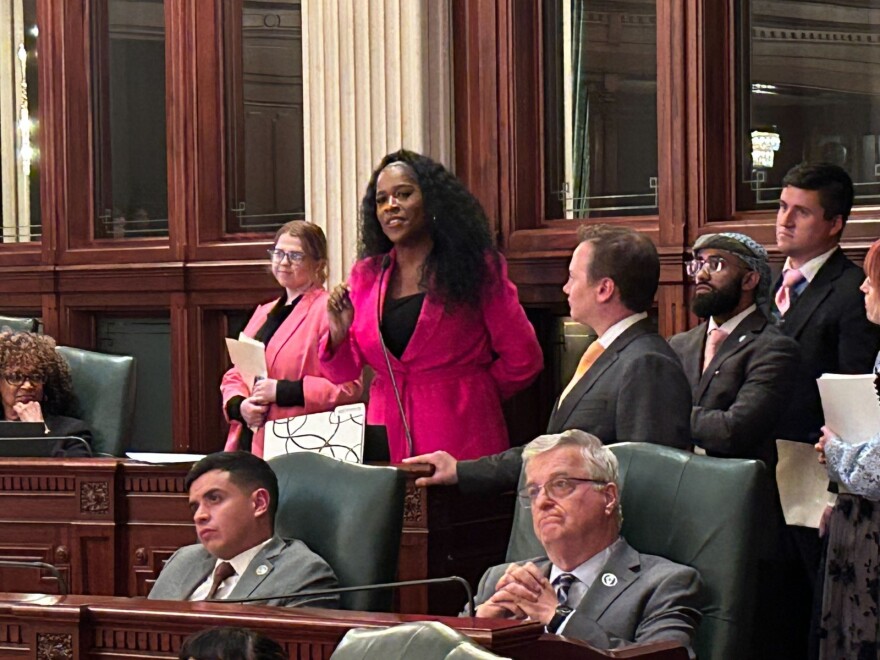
<point x="851" y="407"/>
<point x="249" y="357"/>
<point x="338" y="434"/>
<point x="802" y="483"/>
<point x="156" y="458"/>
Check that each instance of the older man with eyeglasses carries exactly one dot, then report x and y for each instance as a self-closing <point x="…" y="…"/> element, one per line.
<point x="591" y="585"/>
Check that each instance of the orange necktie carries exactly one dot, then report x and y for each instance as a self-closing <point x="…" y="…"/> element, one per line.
<point x="590" y="355"/>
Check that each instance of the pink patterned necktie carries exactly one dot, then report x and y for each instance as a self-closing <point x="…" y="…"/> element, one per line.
<point x="790" y="278"/>
<point x="713" y="341"/>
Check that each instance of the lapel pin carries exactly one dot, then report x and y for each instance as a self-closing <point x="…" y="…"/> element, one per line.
<point x="609" y="579"/>
<point x="262" y="569"/>
<point x="742" y="338"/>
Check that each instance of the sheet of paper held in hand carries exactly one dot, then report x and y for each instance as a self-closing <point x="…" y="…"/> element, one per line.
<point x="249" y="356"/>
<point x="802" y="482"/>
<point x="850" y="405"/>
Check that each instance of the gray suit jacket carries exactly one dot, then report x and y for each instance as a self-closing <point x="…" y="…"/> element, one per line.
<point x="290" y="567"/>
<point x="653" y="599"/>
<point x="636" y="391"/>
<point x="738" y="399"/>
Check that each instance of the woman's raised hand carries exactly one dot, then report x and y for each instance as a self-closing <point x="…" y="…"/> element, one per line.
<point x="28" y="412"/>
<point x="340" y="314"/>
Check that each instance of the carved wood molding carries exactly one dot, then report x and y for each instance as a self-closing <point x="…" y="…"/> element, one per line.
<point x="109" y="638"/>
<point x="54" y="646"/>
<point x="413" y="505"/>
<point x="11" y="635"/>
<point x="94" y="497"/>
<point x="154" y="484"/>
<point x="40" y="484"/>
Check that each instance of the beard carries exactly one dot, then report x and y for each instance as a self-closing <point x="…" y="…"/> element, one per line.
<point x="717" y="301"/>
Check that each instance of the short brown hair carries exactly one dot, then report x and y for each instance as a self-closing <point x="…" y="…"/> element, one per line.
<point x="836" y="192"/>
<point x="629" y="258"/>
<point x="313" y="240"/>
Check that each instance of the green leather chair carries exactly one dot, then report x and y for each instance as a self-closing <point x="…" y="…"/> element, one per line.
<point x="19" y="324"/>
<point x="351" y="515"/>
<point x="426" y="640"/>
<point x="105" y="388"/>
<point x="709" y="513"/>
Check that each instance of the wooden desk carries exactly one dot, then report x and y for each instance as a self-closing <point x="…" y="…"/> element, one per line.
<point x="109" y="524"/>
<point x="35" y="627"/>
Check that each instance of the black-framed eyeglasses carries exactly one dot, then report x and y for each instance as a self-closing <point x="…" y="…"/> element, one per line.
<point x="557" y="489"/>
<point x="715" y="264"/>
<point x="293" y="257"/>
<point x="17" y="379"/>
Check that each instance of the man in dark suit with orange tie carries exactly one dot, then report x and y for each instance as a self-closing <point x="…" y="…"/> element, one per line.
<point x="629" y="385"/>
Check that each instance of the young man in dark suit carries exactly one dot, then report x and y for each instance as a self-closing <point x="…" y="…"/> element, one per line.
<point x="629" y="385"/>
<point x="817" y="300"/>
<point x="818" y="303"/>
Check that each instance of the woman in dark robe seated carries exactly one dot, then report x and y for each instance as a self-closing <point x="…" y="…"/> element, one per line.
<point x="35" y="386"/>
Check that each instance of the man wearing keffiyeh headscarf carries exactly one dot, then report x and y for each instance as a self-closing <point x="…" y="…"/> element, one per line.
<point x="742" y="369"/>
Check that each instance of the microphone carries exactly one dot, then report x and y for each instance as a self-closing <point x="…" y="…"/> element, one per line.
<point x="453" y="579"/>
<point x="39" y="565"/>
<point x="386" y="262"/>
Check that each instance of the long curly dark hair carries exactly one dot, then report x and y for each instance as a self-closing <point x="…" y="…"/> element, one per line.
<point x="30" y="353"/>
<point x="456" y="269"/>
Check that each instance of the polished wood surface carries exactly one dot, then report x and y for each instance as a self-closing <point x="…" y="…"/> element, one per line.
<point x="80" y="627"/>
<point x="108" y="525"/>
<point x="40" y="627"/>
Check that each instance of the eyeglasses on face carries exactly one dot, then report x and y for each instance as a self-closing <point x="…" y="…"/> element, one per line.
<point x="278" y="256"/>
<point x="16" y="379"/>
<point x="557" y="489"/>
<point x="715" y="264"/>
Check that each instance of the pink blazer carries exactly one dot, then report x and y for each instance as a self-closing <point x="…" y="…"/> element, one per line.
<point x="292" y="354"/>
<point x="454" y="373"/>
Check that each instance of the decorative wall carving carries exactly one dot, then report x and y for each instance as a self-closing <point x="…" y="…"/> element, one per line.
<point x="413" y="503"/>
<point x="54" y="646"/>
<point x="94" y="497"/>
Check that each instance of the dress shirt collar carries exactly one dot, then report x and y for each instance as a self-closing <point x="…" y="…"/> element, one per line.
<point x="619" y="328"/>
<point x="809" y="269"/>
<point x="730" y="324"/>
<point x="586" y="573"/>
<point x="243" y="559"/>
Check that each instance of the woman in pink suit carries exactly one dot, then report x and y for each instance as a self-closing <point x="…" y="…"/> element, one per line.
<point x="290" y="327"/>
<point x="430" y="303"/>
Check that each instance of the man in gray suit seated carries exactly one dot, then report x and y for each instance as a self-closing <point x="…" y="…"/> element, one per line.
<point x="233" y="497"/>
<point x="591" y="585"/>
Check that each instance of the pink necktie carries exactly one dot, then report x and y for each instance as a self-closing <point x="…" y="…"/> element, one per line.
<point x="790" y="278"/>
<point x="713" y="341"/>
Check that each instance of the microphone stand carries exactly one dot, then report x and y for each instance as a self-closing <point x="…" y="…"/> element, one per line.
<point x="367" y="587"/>
<point x="62" y="584"/>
